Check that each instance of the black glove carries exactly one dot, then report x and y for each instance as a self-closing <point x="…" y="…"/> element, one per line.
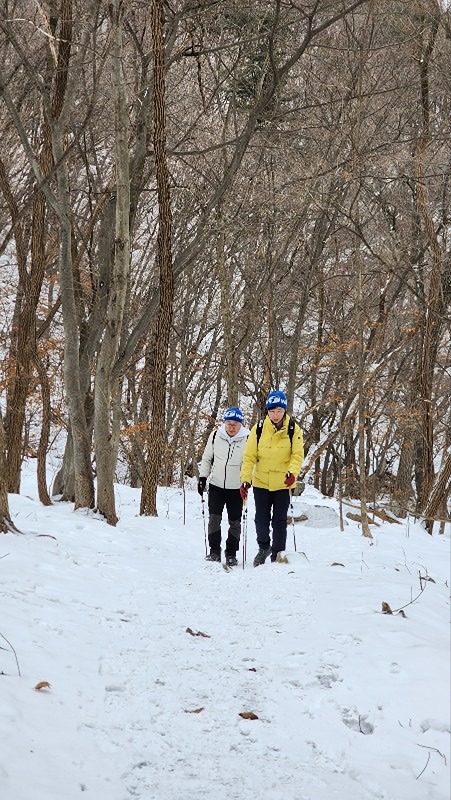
<point x="201" y="484"/>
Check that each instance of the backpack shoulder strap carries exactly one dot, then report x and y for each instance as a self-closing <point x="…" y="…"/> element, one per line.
<point x="213" y="446"/>
<point x="258" y="430"/>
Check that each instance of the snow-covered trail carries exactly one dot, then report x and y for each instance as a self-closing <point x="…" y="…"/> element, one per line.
<point x="333" y="682"/>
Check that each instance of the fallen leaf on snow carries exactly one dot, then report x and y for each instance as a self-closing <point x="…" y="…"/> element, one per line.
<point x="386" y="608"/>
<point x="248" y="715"/>
<point x="42" y="685"/>
<point x="193" y="710"/>
<point x="198" y="633"/>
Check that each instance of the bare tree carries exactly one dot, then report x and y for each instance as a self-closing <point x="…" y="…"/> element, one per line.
<point x="57" y="110"/>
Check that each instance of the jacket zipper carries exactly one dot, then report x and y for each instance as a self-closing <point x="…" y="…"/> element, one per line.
<point x="225" y="468"/>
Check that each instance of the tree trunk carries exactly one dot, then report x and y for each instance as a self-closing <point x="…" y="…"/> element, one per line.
<point x="64" y="483"/>
<point x="432" y="322"/>
<point x="439" y="493"/>
<point x="5" y="519"/>
<point x="403" y="484"/>
<point x="23" y="340"/>
<point x="316" y="423"/>
<point x="45" y="433"/>
<point x="83" y="479"/>
<point x="164" y="260"/>
<point x="357" y="169"/>
<point x="105" y="439"/>
<point x="224" y="283"/>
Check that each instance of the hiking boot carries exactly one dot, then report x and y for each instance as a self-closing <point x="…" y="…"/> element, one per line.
<point x="261" y="556"/>
<point x="214" y="555"/>
<point x="231" y="561"/>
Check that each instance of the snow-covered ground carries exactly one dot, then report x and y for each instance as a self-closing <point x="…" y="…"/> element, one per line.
<point x="152" y="654"/>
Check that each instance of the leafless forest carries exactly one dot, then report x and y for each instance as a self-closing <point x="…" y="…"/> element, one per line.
<point x="204" y="199"/>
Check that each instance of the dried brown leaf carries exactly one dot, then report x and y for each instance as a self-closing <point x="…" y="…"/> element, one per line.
<point x="248" y="715"/>
<point x="42" y="685"/>
<point x="197" y="633"/>
<point x="386" y="608"/>
<point x="194" y="710"/>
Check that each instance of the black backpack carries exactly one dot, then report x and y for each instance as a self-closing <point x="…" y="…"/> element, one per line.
<point x="291" y="425"/>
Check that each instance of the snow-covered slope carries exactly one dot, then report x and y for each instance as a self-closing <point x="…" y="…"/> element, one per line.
<point x="152" y="655"/>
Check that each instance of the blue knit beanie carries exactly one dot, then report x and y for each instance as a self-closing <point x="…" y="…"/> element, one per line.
<point x="234" y="414"/>
<point x="276" y="399"/>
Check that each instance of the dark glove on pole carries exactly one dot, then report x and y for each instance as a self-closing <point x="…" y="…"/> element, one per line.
<point x="201" y="484"/>
<point x="244" y="488"/>
<point x="289" y="479"/>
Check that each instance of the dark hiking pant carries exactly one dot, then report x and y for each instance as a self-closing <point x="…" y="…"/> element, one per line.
<point x="217" y="499"/>
<point x="271" y="507"/>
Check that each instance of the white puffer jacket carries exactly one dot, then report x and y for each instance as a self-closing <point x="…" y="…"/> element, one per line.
<point x="222" y="458"/>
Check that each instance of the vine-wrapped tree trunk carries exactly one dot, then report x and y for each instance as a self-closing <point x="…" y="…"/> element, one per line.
<point x="164" y="260"/>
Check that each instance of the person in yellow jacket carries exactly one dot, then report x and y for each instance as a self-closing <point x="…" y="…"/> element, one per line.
<point x="271" y="464"/>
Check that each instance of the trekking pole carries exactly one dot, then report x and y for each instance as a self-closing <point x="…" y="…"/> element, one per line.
<point x="205" y="527"/>
<point x="292" y="519"/>
<point x="244" y="521"/>
<point x="292" y="522"/>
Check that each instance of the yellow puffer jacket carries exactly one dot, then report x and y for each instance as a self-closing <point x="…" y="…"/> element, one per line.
<point x="266" y="466"/>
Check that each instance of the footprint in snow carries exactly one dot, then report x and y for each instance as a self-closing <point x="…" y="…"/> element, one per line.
<point x="357" y="722"/>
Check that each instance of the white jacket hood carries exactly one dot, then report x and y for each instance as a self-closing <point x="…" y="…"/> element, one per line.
<point x="243" y="431"/>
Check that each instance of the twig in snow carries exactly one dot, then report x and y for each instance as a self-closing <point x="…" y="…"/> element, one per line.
<point x="427" y="747"/>
<point x="405" y="561"/>
<point x="15" y="654"/>
<point x="363" y="562"/>
<point x="427" y="762"/>
<point x="411" y="601"/>
<point x="426" y="578"/>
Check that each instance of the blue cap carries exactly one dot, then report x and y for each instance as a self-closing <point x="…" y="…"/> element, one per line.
<point x="276" y="399"/>
<point x="234" y="414"/>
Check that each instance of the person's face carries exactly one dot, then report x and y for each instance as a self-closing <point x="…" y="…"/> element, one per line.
<point x="232" y="427"/>
<point x="276" y="414"/>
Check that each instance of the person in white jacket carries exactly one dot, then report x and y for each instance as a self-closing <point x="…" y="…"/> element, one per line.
<point x="221" y="462"/>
